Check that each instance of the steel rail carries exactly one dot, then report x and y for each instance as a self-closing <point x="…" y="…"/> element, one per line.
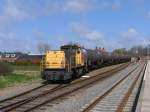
<point x="24" y="93"/>
<point x="11" y="105"/>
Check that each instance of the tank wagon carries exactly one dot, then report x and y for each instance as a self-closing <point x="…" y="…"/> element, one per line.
<point x="72" y="61"/>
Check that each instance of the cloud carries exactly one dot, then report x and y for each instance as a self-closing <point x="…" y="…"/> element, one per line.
<point x="14" y="11"/>
<point x="113" y="5"/>
<point x="81" y="6"/>
<point x="132" y="37"/>
<point x="86" y="36"/>
<point x="77" y="6"/>
<point x="130" y="34"/>
<point x="11" y="12"/>
<point x="94" y="35"/>
<point x="10" y="41"/>
<point x="86" y="33"/>
<point x="71" y="6"/>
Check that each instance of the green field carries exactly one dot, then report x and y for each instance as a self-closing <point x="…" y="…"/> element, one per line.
<point x="13" y="79"/>
<point x="20" y="74"/>
<point x="26" y="67"/>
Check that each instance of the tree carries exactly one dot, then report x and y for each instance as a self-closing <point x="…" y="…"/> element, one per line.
<point x="43" y="47"/>
<point x="137" y="50"/>
<point x="120" y="52"/>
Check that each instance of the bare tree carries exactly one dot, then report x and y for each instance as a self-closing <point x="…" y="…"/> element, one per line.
<point x="43" y="47"/>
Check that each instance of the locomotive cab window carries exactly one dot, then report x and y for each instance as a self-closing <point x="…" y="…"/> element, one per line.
<point x="78" y="51"/>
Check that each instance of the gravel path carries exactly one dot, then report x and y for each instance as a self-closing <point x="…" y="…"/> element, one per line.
<point x="17" y="89"/>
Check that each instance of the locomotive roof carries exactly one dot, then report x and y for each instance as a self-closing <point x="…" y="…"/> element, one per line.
<point x="70" y="45"/>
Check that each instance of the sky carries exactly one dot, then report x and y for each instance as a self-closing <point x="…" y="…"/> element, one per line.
<point x="104" y="23"/>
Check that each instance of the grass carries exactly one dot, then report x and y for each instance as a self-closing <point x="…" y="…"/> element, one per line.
<point x="13" y="79"/>
<point x="21" y="74"/>
<point x="26" y="67"/>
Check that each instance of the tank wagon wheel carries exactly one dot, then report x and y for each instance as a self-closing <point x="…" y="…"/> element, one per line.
<point x="67" y="81"/>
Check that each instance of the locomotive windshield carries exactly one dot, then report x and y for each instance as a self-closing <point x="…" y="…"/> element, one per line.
<point x="71" y="49"/>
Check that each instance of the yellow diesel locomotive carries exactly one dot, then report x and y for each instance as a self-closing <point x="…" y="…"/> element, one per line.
<point x="72" y="61"/>
<point x="68" y="62"/>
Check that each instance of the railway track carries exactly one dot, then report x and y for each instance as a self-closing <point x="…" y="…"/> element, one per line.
<point x="116" y="97"/>
<point x="36" y="101"/>
<point x="14" y="100"/>
<point x="24" y="93"/>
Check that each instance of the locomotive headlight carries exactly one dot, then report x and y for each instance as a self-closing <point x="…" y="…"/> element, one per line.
<point x="62" y="62"/>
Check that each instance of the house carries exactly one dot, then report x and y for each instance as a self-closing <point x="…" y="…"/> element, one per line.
<point x="20" y="58"/>
<point x="9" y="56"/>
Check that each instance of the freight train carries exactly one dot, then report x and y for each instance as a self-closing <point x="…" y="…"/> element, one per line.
<point x="72" y="61"/>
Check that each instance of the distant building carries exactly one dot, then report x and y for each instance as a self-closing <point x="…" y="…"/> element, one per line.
<point x="9" y="56"/>
<point x="102" y="51"/>
<point x="19" y="57"/>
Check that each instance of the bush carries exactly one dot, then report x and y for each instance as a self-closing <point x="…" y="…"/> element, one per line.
<point x="27" y="62"/>
<point x="5" y="68"/>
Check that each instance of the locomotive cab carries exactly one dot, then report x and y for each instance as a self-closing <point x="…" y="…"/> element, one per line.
<point x="74" y="56"/>
<point x="75" y="59"/>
